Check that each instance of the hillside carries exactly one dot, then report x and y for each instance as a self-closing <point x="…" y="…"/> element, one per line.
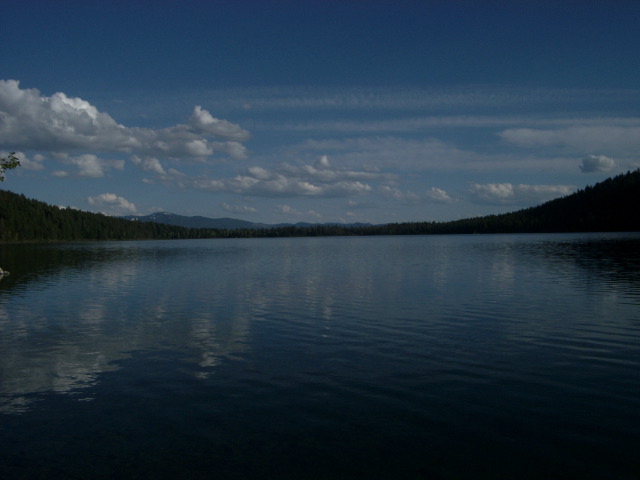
<point x="611" y="205"/>
<point x="26" y="220"/>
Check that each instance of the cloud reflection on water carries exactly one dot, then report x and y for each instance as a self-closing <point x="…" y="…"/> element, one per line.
<point x="72" y="312"/>
<point x="63" y="327"/>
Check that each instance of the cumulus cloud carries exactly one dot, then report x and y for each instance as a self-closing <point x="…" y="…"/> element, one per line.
<point x="286" y="209"/>
<point x="233" y="149"/>
<point x="433" y="195"/>
<point x="203" y="121"/>
<point x="289" y="212"/>
<point x="438" y="195"/>
<point x="149" y="164"/>
<point x="398" y="195"/>
<point x="89" y="165"/>
<point x="597" y="163"/>
<point x="112" y="204"/>
<point x="288" y="180"/>
<point x="509" y="194"/>
<point x="64" y="125"/>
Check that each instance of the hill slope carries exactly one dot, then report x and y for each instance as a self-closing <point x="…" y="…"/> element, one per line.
<point x="26" y="220"/>
<point x="609" y="206"/>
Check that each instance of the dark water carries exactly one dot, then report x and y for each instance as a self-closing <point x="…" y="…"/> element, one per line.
<point x="444" y="357"/>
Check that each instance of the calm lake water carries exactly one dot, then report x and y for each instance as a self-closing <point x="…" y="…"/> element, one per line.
<point x="444" y="357"/>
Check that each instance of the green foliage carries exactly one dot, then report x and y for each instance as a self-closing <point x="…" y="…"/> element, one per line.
<point x="27" y="220"/>
<point x="611" y="205"/>
<point x="8" y="163"/>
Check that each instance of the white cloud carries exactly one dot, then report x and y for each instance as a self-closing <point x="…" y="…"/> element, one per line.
<point x="288" y="180"/>
<point x="288" y="210"/>
<point x="198" y="148"/>
<point x="597" y="163"/>
<point x="90" y="165"/>
<point x="605" y="137"/>
<point x="439" y="195"/>
<point x="112" y="204"/>
<point x="238" y="208"/>
<point x="233" y="149"/>
<point x="509" y="194"/>
<point x="148" y="164"/>
<point x="63" y="125"/>
<point x="203" y="121"/>
<point x="433" y="195"/>
<point x="398" y="195"/>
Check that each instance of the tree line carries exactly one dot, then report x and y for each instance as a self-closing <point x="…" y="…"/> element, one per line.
<point x="611" y="205"/>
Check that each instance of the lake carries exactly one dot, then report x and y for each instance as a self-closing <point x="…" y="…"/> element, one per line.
<point x="444" y="357"/>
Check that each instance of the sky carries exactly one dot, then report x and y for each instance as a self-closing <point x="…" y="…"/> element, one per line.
<point x="317" y="111"/>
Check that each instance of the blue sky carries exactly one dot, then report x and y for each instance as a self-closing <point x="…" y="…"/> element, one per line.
<point x="319" y="111"/>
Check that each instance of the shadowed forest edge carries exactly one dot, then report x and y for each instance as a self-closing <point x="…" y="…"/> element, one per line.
<point x="611" y="205"/>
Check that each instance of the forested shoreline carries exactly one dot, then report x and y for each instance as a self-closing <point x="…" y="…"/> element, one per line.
<point x="611" y="205"/>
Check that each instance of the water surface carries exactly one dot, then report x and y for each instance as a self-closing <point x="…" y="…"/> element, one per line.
<point x="498" y="356"/>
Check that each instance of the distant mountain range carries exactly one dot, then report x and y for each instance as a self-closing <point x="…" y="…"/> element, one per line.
<point x="225" y="223"/>
<point x="167" y="218"/>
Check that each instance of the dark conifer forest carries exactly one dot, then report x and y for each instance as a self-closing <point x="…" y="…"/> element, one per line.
<point x="612" y="205"/>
